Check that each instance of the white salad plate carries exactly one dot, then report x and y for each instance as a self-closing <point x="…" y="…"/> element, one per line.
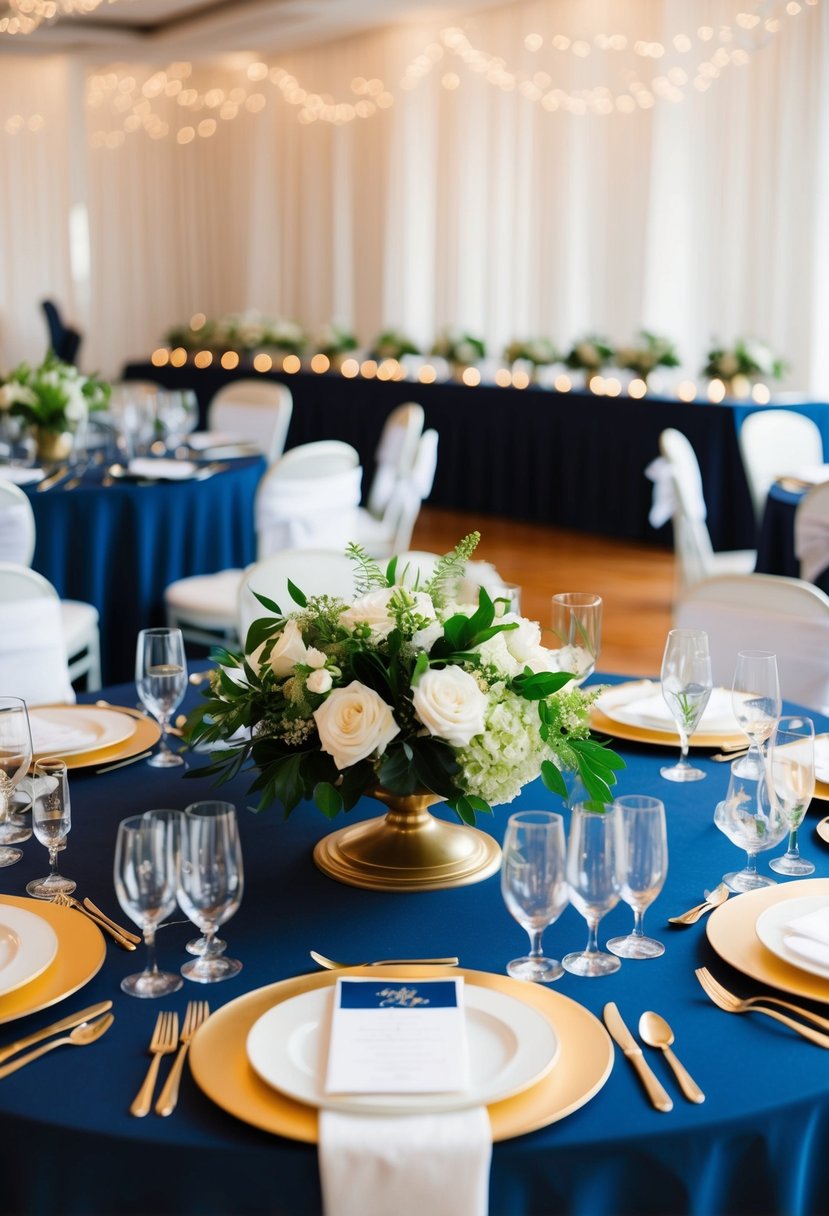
<point x="27" y="946"/>
<point x="771" y="929"/>
<point x="67" y="730"/>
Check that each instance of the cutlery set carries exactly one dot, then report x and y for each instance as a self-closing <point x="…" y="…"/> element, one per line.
<point x="331" y="964"/>
<point x="655" y="1032"/>
<point x="165" y="1039"/>
<point x="718" y="896"/>
<point x="730" y="1003"/>
<point x="85" y="1027"/>
<point x="123" y="937"/>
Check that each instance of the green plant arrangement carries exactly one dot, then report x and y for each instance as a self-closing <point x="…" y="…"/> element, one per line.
<point x="747" y="357"/>
<point x="590" y="355"/>
<point x="393" y="344"/>
<point x="242" y="332"/>
<point x="459" y="347"/>
<point x="539" y="351"/>
<point x="649" y="352"/>
<point x="54" y="396"/>
<point x="334" y="340"/>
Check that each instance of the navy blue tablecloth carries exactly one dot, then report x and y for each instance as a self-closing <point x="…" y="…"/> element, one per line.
<point x="757" y="1145"/>
<point x="775" y="545"/>
<point x="118" y="546"/>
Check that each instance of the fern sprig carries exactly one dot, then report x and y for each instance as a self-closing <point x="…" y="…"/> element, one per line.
<point x="368" y="575"/>
<point x="451" y="568"/>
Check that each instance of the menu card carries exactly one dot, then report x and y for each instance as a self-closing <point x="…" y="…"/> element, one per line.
<point x="398" y="1036"/>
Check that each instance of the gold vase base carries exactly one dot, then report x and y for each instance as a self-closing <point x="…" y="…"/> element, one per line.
<point x="383" y="855"/>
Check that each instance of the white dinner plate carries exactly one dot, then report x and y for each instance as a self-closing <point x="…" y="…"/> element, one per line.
<point x="511" y="1046"/>
<point x="67" y="730"/>
<point x="771" y="930"/>
<point x="27" y="946"/>
<point x="641" y="704"/>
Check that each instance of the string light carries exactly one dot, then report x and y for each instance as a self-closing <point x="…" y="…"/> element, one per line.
<point x="28" y="15"/>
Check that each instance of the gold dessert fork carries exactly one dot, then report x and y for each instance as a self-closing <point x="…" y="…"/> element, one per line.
<point x="750" y="1002"/>
<point x="726" y="1001"/>
<point x="163" y="1042"/>
<point x="196" y="1013"/>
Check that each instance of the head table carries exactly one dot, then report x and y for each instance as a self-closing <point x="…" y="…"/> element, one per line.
<point x="69" y="1145"/>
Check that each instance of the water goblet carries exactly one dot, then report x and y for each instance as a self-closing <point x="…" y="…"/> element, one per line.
<point x="686" y="687"/>
<point x="752" y="821"/>
<point x="595" y="870"/>
<point x="646" y="853"/>
<point x="161" y="681"/>
<point x="147" y="853"/>
<point x="211" y="880"/>
<point x="15" y="758"/>
<point x="51" y="821"/>
<point x="790" y="773"/>
<point x="755" y="700"/>
<point x="577" y="624"/>
<point x="534" y="886"/>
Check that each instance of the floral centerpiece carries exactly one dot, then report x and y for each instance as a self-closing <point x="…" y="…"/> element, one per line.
<point x="458" y="348"/>
<point x="334" y="341"/>
<point x="393" y="344"/>
<point x="651" y="351"/>
<point x="589" y="355"/>
<point x="538" y="351"/>
<point x="402" y="690"/>
<point x="54" y="399"/>
<point x="243" y="332"/>
<point x="747" y="357"/>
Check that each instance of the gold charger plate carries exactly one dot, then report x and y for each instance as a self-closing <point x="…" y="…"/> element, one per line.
<point x="219" y="1062"/>
<point x="608" y="725"/>
<point x="146" y="734"/>
<point x="80" y="956"/>
<point x="731" y="932"/>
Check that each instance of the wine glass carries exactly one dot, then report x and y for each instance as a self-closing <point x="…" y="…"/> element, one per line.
<point x="577" y="623"/>
<point x="147" y="852"/>
<point x="177" y="413"/>
<point x="646" y="851"/>
<point x="161" y="681"/>
<point x="595" y="871"/>
<point x="790" y="773"/>
<point x="534" y="886"/>
<point x="15" y="758"/>
<point x="755" y="700"/>
<point x="686" y="686"/>
<point x="752" y="821"/>
<point x="211" y="880"/>
<point x="51" y="821"/>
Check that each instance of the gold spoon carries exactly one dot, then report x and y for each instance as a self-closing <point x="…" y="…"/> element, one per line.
<point x="656" y="1032"/>
<point x="87" y="1032"/>
<point x="718" y="896"/>
<point x="332" y="965"/>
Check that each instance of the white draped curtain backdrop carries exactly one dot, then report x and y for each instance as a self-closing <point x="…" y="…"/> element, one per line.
<point x="702" y="218"/>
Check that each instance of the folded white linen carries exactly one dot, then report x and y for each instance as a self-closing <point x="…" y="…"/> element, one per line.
<point x="816" y="473"/>
<point x="652" y="711"/>
<point x="822" y="757"/>
<point x="409" y="1165"/>
<point x="199" y="441"/>
<point x="33" y="653"/>
<point x="167" y="470"/>
<point x="52" y="737"/>
<point x="20" y="474"/>
<point x="808" y="936"/>
<point x="806" y="948"/>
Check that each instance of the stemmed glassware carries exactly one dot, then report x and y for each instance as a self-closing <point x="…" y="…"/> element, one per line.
<point x="161" y="682"/>
<point x="751" y="820"/>
<point x="534" y="886"/>
<point x="595" y="872"/>
<point x="51" y="821"/>
<point x="576" y="621"/>
<point x="147" y="855"/>
<point x="646" y="852"/>
<point x="211" y="881"/>
<point x="686" y="687"/>
<point x="790" y="773"/>
<point x="755" y="700"/>
<point x="178" y="414"/>
<point x="15" y="758"/>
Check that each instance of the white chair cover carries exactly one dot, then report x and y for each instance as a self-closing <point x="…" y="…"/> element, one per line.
<point x="17" y="525"/>
<point x="664" y="503"/>
<point x="307" y="512"/>
<point x="395" y="455"/>
<point x="811" y="533"/>
<point x="33" y="661"/>
<point x="314" y="571"/>
<point x="255" y="410"/>
<point x="774" y="443"/>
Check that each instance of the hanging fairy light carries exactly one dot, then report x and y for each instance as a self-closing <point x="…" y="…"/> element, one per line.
<point x="26" y="16"/>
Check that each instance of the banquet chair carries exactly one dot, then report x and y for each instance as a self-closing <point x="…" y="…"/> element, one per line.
<point x="255" y="410"/>
<point x="313" y="571"/>
<point x="393" y="533"/>
<point x="811" y="532"/>
<point x="63" y="339"/>
<point x="33" y="653"/>
<point x="786" y="616"/>
<point x="17" y="525"/>
<point x="395" y="455"/>
<point x="774" y="443"/>
<point x="695" y="554"/>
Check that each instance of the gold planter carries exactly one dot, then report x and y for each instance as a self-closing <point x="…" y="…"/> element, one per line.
<point x="408" y="849"/>
<point x="53" y="445"/>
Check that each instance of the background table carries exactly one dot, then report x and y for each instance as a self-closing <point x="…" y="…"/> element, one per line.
<point x="757" y="1145"/>
<point x="775" y="545"/>
<point x="119" y="546"/>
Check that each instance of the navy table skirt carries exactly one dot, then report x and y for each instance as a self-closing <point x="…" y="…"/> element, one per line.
<point x="775" y="545"/>
<point x="757" y="1145"/>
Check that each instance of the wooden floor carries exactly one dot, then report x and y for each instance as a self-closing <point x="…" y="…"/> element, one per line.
<point x="635" y="581"/>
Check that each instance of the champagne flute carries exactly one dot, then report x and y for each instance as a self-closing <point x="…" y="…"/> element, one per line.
<point x="534" y="886"/>
<point x="646" y="851"/>
<point x="755" y="700"/>
<point x="752" y="821"/>
<point x="686" y="687"/>
<point x="161" y="681"/>
<point x="595" y="871"/>
<point x="147" y="855"/>
<point x="211" y="881"/>
<point x="790" y="773"/>
<point x="51" y="821"/>
<point x="15" y="758"/>
<point x="577" y="624"/>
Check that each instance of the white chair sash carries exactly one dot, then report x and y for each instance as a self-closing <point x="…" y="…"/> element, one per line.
<point x="664" y="502"/>
<point x="15" y="535"/>
<point x="307" y="512"/>
<point x="32" y="652"/>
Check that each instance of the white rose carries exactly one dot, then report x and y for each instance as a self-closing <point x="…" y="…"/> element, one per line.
<point x="353" y="722"/>
<point x="450" y="705"/>
<point x="75" y="402"/>
<point x="314" y="657"/>
<point x="289" y="649"/>
<point x="523" y="641"/>
<point x="425" y="639"/>
<point x="373" y="610"/>
<point x="319" y="681"/>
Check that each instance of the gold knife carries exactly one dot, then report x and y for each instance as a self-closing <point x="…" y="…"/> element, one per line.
<point x="53" y="478"/>
<point x="131" y="937"/>
<point x="68" y="1023"/>
<point x="621" y="1035"/>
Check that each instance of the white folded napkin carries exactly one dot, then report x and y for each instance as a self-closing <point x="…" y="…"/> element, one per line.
<point x="53" y="737"/>
<point x="408" y="1165"/>
<point x="168" y="470"/>
<point x="199" y="441"/>
<point x="816" y="473"/>
<point x="808" y="936"/>
<point x="20" y="474"/>
<point x="652" y="711"/>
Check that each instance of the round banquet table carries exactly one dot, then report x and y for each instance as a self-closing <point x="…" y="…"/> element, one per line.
<point x="118" y="546"/>
<point x="69" y="1145"/>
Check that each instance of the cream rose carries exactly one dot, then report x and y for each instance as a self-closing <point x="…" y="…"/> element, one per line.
<point x="354" y="722"/>
<point x="319" y="681"/>
<point x="450" y="705"/>
<point x="288" y="650"/>
<point x="373" y="610"/>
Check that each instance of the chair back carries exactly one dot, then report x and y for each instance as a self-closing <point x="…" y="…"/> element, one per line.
<point x="63" y="339"/>
<point x="395" y="455"/>
<point x="786" y="616"/>
<point x="255" y="410"/>
<point x="774" y="443"/>
<point x="314" y="571"/>
<point x="811" y="532"/>
<point x="33" y="663"/>
<point x="308" y="499"/>
<point x="17" y="525"/>
<point x="411" y="492"/>
<point x="692" y="542"/>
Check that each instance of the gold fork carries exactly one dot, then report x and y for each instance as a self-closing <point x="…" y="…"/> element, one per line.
<point x="163" y="1042"/>
<point x="196" y="1013"/>
<point x="68" y="901"/>
<point x="749" y="1001"/>
<point x="730" y="1003"/>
